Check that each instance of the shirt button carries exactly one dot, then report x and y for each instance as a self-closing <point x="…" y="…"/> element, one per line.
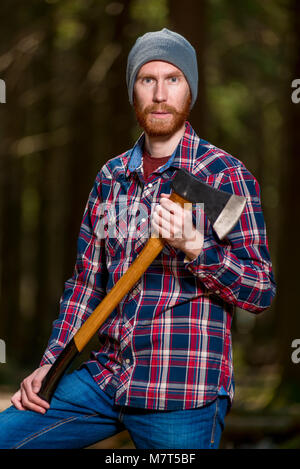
<point x="150" y="185"/>
<point x="127" y="361"/>
<point x="143" y="220"/>
<point x="218" y="292"/>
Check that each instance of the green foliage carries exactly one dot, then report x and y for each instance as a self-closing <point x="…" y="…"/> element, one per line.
<point x="231" y="103"/>
<point x="245" y="61"/>
<point x="153" y="14"/>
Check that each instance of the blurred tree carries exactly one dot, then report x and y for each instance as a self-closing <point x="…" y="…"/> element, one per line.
<point x="94" y="54"/>
<point x="288" y="318"/>
<point x="41" y="120"/>
<point x="192" y="24"/>
<point x="64" y="64"/>
<point x="246" y="73"/>
<point x="19" y="45"/>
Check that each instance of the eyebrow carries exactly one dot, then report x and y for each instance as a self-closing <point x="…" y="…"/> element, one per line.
<point x="169" y="75"/>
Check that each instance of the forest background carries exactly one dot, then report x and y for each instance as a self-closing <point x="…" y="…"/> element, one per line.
<point x="66" y="112"/>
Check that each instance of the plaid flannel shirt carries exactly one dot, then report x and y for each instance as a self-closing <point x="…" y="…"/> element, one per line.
<point x="168" y="343"/>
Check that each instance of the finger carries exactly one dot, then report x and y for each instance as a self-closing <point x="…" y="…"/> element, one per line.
<point x="167" y="214"/>
<point x="183" y="214"/>
<point x="30" y="399"/>
<point x="164" y="230"/>
<point x="172" y="223"/>
<point x="178" y="216"/>
<point x="182" y="218"/>
<point x="28" y="405"/>
<point x="170" y="205"/>
<point x="171" y="228"/>
<point x="155" y="229"/>
<point x="179" y="226"/>
<point x="162" y="220"/>
<point x="16" y="401"/>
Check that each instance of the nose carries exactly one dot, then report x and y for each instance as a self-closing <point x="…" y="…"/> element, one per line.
<point x="160" y="92"/>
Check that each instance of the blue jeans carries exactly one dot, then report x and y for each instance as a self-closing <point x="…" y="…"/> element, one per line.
<point x="81" y="414"/>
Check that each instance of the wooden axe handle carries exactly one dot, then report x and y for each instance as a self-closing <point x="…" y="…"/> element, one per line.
<point x="150" y="251"/>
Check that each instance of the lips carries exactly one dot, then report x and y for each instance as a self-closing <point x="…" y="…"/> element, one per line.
<point x="159" y="114"/>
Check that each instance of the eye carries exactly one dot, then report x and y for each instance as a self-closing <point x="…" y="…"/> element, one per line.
<point x="147" y="80"/>
<point x="174" y="79"/>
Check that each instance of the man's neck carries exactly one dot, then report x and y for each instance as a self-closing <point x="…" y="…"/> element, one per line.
<point x="159" y="147"/>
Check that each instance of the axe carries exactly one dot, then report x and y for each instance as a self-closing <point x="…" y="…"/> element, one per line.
<point x="223" y="211"/>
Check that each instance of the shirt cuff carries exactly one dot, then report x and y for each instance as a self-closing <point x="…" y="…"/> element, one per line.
<point x="217" y="269"/>
<point x="51" y="354"/>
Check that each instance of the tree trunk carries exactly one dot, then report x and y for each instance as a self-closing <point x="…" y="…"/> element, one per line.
<point x="99" y="122"/>
<point x="13" y="125"/>
<point x="43" y="68"/>
<point x="287" y="307"/>
<point x="190" y="20"/>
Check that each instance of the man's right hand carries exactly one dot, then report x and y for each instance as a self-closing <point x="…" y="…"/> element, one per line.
<point x="26" y="397"/>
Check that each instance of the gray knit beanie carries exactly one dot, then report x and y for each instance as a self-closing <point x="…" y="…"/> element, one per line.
<point x="163" y="45"/>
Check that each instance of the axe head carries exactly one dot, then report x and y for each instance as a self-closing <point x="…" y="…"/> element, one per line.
<point x="222" y="208"/>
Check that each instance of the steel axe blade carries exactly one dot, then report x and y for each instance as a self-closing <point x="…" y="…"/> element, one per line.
<point x="222" y="208"/>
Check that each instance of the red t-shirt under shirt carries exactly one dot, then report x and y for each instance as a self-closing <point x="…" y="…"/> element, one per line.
<point x="150" y="164"/>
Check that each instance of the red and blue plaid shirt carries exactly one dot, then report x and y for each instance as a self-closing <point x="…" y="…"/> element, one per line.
<point x="168" y="343"/>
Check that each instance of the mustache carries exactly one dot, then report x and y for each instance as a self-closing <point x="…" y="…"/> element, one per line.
<point x="160" y="108"/>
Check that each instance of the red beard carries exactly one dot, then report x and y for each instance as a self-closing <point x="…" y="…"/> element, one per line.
<point x="161" y="127"/>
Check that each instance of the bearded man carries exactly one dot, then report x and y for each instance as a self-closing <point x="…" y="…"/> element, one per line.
<point x="163" y="369"/>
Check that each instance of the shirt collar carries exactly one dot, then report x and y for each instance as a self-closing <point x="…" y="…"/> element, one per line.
<point x="182" y="157"/>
